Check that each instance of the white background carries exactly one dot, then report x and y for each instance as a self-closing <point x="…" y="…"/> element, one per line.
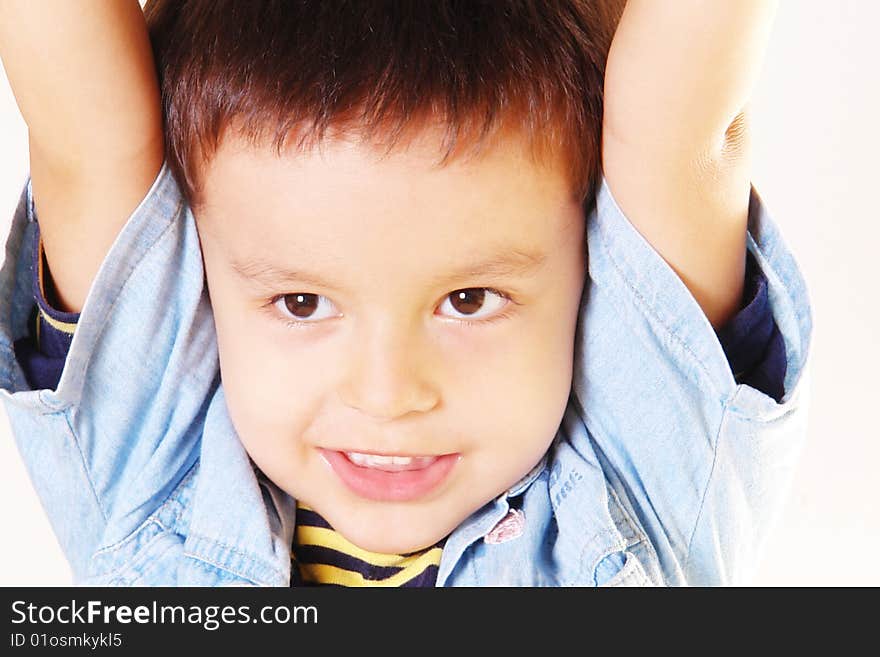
<point x="817" y="143"/>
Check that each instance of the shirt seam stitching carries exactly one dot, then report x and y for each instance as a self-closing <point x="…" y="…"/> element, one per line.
<point x="646" y="309"/>
<point x="138" y="575"/>
<point x="153" y="517"/>
<point x="634" y="525"/>
<point x="705" y="495"/>
<point x="234" y="550"/>
<point x="118" y="570"/>
<point x="225" y="567"/>
<point x="750" y="416"/>
<point x="85" y="468"/>
<point x="615" y="547"/>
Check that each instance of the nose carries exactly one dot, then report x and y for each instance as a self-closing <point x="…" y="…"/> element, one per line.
<point x="387" y="376"/>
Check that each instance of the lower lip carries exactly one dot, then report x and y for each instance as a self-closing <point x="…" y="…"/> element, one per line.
<point x="383" y="486"/>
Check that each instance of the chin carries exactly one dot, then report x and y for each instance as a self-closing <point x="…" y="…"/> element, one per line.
<point x="392" y="541"/>
<point x="393" y="544"/>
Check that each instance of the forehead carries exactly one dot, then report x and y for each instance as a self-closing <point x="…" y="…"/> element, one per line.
<point x="350" y="204"/>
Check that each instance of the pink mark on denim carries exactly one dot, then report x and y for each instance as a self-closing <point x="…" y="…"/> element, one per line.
<point x="508" y="528"/>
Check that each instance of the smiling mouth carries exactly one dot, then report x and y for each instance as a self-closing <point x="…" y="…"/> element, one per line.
<point x="390" y="477"/>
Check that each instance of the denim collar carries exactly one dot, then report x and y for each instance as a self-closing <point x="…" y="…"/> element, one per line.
<point x="481" y="522"/>
<point x="241" y="522"/>
<point x="569" y="483"/>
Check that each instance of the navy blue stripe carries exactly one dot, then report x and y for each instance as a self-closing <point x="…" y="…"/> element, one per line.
<point x="295" y="577"/>
<point x="318" y="554"/>
<point x="428" y="577"/>
<point x="54" y="343"/>
<point x="307" y="518"/>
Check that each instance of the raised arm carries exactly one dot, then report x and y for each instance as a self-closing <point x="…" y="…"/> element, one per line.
<point x="83" y="77"/>
<point x="676" y="150"/>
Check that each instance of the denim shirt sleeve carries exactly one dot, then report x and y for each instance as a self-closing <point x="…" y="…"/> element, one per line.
<point x="702" y="461"/>
<point x="108" y="445"/>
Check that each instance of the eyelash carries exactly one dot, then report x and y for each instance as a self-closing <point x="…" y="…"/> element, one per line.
<point x="470" y="323"/>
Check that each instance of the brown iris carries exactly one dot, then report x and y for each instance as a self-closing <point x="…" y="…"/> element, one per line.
<point x="301" y="305"/>
<point x="468" y="301"/>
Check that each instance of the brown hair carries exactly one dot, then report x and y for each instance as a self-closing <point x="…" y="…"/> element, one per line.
<point x="274" y="70"/>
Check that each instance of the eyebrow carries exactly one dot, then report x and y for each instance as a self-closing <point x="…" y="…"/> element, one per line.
<point x="500" y="264"/>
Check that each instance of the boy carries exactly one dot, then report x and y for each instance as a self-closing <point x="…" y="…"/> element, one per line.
<point x="351" y="333"/>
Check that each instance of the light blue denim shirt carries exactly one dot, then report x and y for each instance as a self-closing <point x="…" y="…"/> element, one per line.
<point x="663" y="471"/>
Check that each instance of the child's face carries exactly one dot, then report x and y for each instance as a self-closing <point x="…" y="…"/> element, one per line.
<point x="382" y="338"/>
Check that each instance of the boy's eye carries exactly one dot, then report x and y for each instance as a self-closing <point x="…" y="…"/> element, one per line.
<point x="303" y="307"/>
<point x="474" y="302"/>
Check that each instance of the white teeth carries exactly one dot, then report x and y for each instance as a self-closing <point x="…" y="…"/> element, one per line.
<point x="370" y="459"/>
<point x="377" y="461"/>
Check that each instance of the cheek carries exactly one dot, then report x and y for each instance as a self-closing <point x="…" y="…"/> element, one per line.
<point x="273" y="387"/>
<point x="513" y="389"/>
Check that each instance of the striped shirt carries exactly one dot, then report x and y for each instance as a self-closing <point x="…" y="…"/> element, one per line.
<point x="322" y="557"/>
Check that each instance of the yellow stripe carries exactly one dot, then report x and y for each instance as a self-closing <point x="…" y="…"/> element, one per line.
<point x="324" y="537"/>
<point x="319" y="572"/>
<point x="66" y="327"/>
<point x="40" y="266"/>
